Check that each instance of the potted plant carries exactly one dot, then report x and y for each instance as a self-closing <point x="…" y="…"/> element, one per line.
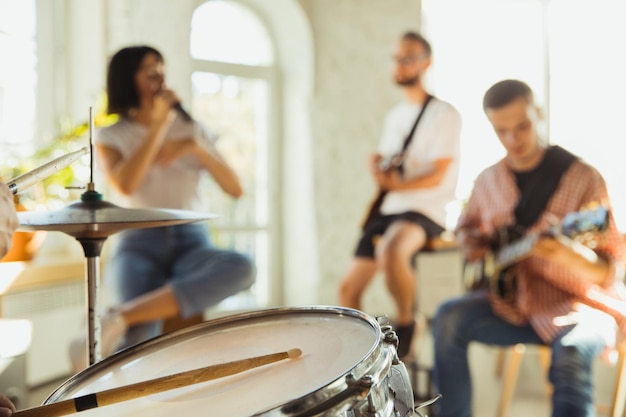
<point x="54" y="191"/>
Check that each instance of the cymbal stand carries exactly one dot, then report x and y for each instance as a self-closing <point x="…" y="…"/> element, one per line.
<point x="92" y="247"/>
<point x="91" y="221"/>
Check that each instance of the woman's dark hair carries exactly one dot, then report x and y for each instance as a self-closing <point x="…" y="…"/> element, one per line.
<point x="121" y="89"/>
<point x="506" y="91"/>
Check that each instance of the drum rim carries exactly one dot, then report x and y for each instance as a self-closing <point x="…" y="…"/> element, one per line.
<point x="375" y="350"/>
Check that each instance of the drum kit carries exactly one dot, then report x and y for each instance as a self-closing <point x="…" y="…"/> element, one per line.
<point x="342" y="362"/>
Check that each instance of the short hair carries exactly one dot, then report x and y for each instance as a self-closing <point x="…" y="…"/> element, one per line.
<point x="121" y="89"/>
<point x="416" y="37"/>
<point x="506" y="91"/>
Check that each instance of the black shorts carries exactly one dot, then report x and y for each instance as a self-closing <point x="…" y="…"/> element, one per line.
<point x="377" y="226"/>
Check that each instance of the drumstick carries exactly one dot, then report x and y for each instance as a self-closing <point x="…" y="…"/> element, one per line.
<point x="153" y="386"/>
<point x="29" y="178"/>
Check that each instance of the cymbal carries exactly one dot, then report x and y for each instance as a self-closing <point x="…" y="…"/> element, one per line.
<point x="99" y="219"/>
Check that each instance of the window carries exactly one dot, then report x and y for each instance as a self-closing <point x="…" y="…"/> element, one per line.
<point x="587" y="87"/>
<point x="224" y="31"/>
<point x="564" y="49"/>
<point x="232" y="91"/>
<point x="18" y="78"/>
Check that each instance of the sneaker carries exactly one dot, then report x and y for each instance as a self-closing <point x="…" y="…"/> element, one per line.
<point x="113" y="330"/>
<point x="405" y="337"/>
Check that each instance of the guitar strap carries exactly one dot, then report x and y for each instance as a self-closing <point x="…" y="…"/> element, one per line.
<point x="541" y="185"/>
<point x="374" y="209"/>
<point x="536" y="187"/>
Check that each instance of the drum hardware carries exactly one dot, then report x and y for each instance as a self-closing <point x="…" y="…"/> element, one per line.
<point x="422" y="381"/>
<point x="91" y="221"/>
<point x="426" y="404"/>
<point x="391" y="337"/>
<point x="355" y="391"/>
<point x="153" y="386"/>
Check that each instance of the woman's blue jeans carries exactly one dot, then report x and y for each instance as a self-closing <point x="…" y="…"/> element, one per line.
<point x="471" y="319"/>
<point x="182" y="256"/>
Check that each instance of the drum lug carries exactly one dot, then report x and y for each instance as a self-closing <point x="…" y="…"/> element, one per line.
<point x="390" y="337"/>
<point x="367" y="382"/>
<point x="382" y="320"/>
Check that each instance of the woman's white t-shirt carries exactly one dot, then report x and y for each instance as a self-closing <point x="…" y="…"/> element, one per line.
<point x="174" y="186"/>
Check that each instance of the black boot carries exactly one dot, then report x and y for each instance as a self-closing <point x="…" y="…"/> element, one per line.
<point x="405" y="336"/>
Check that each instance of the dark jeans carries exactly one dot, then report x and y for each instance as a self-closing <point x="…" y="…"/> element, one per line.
<point x="200" y="274"/>
<point x="470" y="318"/>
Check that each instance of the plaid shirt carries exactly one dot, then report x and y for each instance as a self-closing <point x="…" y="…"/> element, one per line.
<point x="548" y="295"/>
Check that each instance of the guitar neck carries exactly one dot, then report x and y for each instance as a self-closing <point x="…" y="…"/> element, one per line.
<point x="494" y="270"/>
<point x="514" y="252"/>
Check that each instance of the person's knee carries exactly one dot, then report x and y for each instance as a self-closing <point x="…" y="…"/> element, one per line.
<point x="570" y="375"/>
<point x="389" y="254"/>
<point x="571" y="372"/>
<point x="238" y="269"/>
<point x="395" y="249"/>
<point x="573" y="355"/>
<point x="447" y="320"/>
<point x="247" y="269"/>
<point x="571" y="365"/>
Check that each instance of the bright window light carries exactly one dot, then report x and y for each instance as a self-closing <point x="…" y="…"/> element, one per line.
<point x="18" y="78"/>
<point x="568" y="51"/>
<point x="236" y="106"/>
<point x="225" y="31"/>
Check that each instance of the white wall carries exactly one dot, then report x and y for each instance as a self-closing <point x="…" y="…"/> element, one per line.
<point x="353" y="89"/>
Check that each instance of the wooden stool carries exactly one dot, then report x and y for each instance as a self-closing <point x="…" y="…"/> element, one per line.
<point x="507" y="367"/>
<point x="421" y="375"/>
<point x="444" y="241"/>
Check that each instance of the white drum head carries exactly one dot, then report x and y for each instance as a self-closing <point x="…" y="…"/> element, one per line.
<point x="333" y="342"/>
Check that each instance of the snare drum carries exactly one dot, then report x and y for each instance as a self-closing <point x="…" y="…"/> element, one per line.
<point x="348" y="368"/>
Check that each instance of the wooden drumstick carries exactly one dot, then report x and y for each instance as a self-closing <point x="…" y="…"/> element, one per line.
<point x="153" y="386"/>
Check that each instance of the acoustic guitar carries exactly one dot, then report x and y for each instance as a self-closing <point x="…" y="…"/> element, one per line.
<point x="497" y="270"/>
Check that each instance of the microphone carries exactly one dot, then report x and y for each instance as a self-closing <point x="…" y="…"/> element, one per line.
<point x="179" y="108"/>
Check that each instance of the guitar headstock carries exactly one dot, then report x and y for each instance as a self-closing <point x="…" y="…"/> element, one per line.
<point x="594" y="219"/>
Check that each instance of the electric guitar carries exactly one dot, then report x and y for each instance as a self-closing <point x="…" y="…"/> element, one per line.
<point x="497" y="270"/>
<point x="385" y="164"/>
<point x="394" y="161"/>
